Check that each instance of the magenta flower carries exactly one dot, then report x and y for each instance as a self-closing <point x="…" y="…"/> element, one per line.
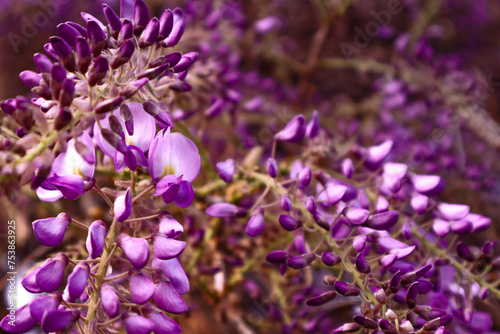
<point x="174" y="162"/>
<point x="69" y="171"/>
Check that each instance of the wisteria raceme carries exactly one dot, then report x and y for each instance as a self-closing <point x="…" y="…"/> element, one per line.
<point x="228" y="174"/>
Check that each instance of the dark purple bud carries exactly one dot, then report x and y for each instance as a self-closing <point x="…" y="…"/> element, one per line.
<point x="115" y="125"/>
<point x="289" y="223"/>
<point x="81" y="30"/>
<point x="123" y="206"/>
<point x="63" y="118"/>
<point x="362" y="265"/>
<point x="168" y="299"/>
<point x="96" y="238"/>
<point x="141" y="16"/>
<point x="136" y="250"/>
<point x="226" y="170"/>
<point x="8" y="106"/>
<point x="175" y="35"/>
<point x="383" y="221"/>
<point x="23" y="323"/>
<point x="98" y="70"/>
<point x="51" y="273"/>
<point x="183" y="64"/>
<point x="350" y="327"/>
<point x="272" y="168"/>
<point x="163" y="324"/>
<point x="30" y="78"/>
<point x="415" y="275"/>
<point x="359" y="243"/>
<point x="356" y="216"/>
<point x="347" y="168"/>
<point x="40" y="305"/>
<point x="109" y="301"/>
<point x="84" y="54"/>
<point x="380" y="296"/>
<point x="255" y="225"/>
<point x="173" y="58"/>
<point x="294" y="131"/>
<point x="157" y="62"/>
<point x="277" y="257"/>
<point x="387" y="327"/>
<point x="67" y="93"/>
<point x="330" y="259"/>
<point x="108" y="105"/>
<point x="50" y="50"/>
<point x="428" y="312"/>
<point x="366" y="322"/>
<point x="167" y="248"/>
<point x="174" y="272"/>
<point x="64" y="52"/>
<point x="411" y="295"/>
<point x="322" y="299"/>
<point x="465" y="253"/>
<point x="222" y="210"/>
<point x="124" y="54"/>
<point x="150" y="35"/>
<point x="58" y="320"/>
<point x="126" y="32"/>
<point x="113" y="19"/>
<point x="335" y="192"/>
<point x="305" y="176"/>
<point x="436" y="323"/>
<point x="313" y="127"/>
<point x="346" y="289"/>
<point x="133" y="88"/>
<point x="166" y="23"/>
<point x="487" y="250"/>
<point x="301" y="261"/>
<point x="50" y="231"/>
<point x="461" y="227"/>
<point x="21" y="132"/>
<point x="42" y="63"/>
<point x="136" y="324"/>
<point x="311" y="205"/>
<point x="97" y="37"/>
<point x="77" y="280"/>
<point x="57" y="77"/>
<point x="68" y="33"/>
<point x="141" y="288"/>
<point x="286" y="203"/>
<point x="163" y="118"/>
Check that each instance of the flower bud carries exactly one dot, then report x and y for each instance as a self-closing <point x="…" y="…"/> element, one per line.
<point x="167" y="248"/>
<point x="42" y="63"/>
<point x="126" y="31"/>
<point x="84" y="54"/>
<point x="362" y="265"/>
<point x="411" y="295"/>
<point x="130" y="91"/>
<point x="305" y="176"/>
<point x="24" y="322"/>
<point x="330" y="259"/>
<point x="294" y="131"/>
<point x="255" y="225"/>
<point x="166" y="24"/>
<point x="169" y="226"/>
<point x="141" y="288"/>
<point x="136" y="324"/>
<point x="168" y="299"/>
<point x="346" y="289"/>
<point x="272" y="168"/>
<point x="109" y="301"/>
<point x="350" y="327"/>
<point x="123" y="206"/>
<point x="322" y="299"/>
<point x="222" y="210"/>
<point x="335" y="192"/>
<point x="50" y="274"/>
<point x="453" y="211"/>
<point x="96" y="238"/>
<point x="150" y="34"/>
<point x="98" y="71"/>
<point x="136" y="250"/>
<point x="313" y="127"/>
<point x="226" y="170"/>
<point x="30" y="78"/>
<point x="113" y="19"/>
<point x="175" y="35"/>
<point x="347" y="168"/>
<point x="108" y="105"/>
<point x="97" y="37"/>
<point x="356" y="216"/>
<point x="277" y="257"/>
<point x="366" y="322"/>
<point x="383" y="221"/>
<point x="64" y="53"/>
<point x="39" y="305"/>
<point x="68" y="33"/>
<point x="50" y="231"/>
<point x="301" y="261"/>
<point x="419" y="203"/>
<point x="141" y="16"/>
<point x="77" y="280"/>
<point x="59" y="320"/>
<point x="387" y="327"/>
<point x="289" y="223"/>
<point x="465" y="253"/>
<point x="163" y="324"/>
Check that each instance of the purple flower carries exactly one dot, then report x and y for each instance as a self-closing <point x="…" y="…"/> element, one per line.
<point x="109" y="300"/>
<point x="123" y="206"/>
<point x="166" y="248"/>
<point x="96" y="238"/>
<point x="50" y="231"/>
<point x="222" y="210"/>
<point x="169" y="226"/>
<point x="294" y="131"/>
<point x="77" y="281"/>
<point x="24" y="322"/>
<point x="255" y="225"/>
<point x="168" y="299"/>
<point x="58" y="320"/>
<point x="163" y="324"/>
<point x="136" y="324"/>
<point x="226" y="170"/>
<point x="40" y="305"/>
<point x="173" y="270"/>
<point x="69" y="171"/>
<point x="141" y="288"/>
<point x="136" y="250"/>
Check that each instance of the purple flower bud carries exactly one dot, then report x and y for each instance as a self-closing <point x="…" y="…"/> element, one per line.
<point x="322" y="299"/>
<point x="407" y="327"/>
<point x="58" y="75"/>
<point x="387" y="327"/>
<point x="84" y="54"/>
<point x="272" y="168"/>
<point x="63" y="118"/>
<point x="376" y="154"/>
<point x="461" y="227"/>
<point x="286" y="203"/>
<point x="436" y="323"/>
<point x="98" y="71"/>
<point x="255" y="225"/>
<point x="97" y="37"/>
<point x="130" y="91"/>
<point x="362" y="265"/>
<point x="465" y="253"/>
<point x="289" y="223"/>
<point x="77" y="280"/>
<point x="141" y="288"/>
<point x="350" y="327"/>
<point x="163" y="324"/>
<point x="24" y="322"/>
<point x="222" y="210"/>
<point x="419" y="203"/>
<point x="184" y="64"/>
<point x="113" y="19"/>
<point x="356" y="216"/>
<point x="226" y="170"/>
<point x="126" y="32"/>
<point x="359" y="243"/>
<point x="51" y="273"/>
<point x="141" y="16"/>
<point x="175" y="35"/>
<point x="167" y="248"/>
<point x="311" y="205"/>
<point x="305" y="176"/>
<point x="387" y="261"/>
<point x="68" y="33"/>
<point x="453" y="211"/>
<point x="277" y="257"/>
<point x="383" y="221"/>
<point x="42" y="63"/>
<point x="96" y="238"/>
<point x="301" y="261"/>
<point x="67" y="93"/>
<point x="174" y="272"/>
<point x="380" y="296"/>
<point x="347" y="168"/>
<point x="426" y="184"/>
<point x="30" y="78"/>
<point x="366" y="322"/>
<point x="50" y="231"/>
<point x="108" y="105"/>
<point x="64" y="52"/>
<point x="411" y="295"/>
<point x="167" y="298"/>
<point x="136" y="324"/>
<point x="169" y="226"/>
<point x="161" y="117"/>
<point x="346" y="289"/>
<point x="150" y="34"/>
<point x="123" y="55"/>
<point x="8" y="106"/>
<point x="39" y="305"/>
<point x="166" y="23"/>
<point x="395" y="282"/>
<point x="58" y="320"/>
<point x="335" y="192"/>
<point x="313" y="126"/>
<point x="123" y="206"/>
<point x="294" y="131"/>
<point x="136" y="250"/>
<point x="109" y="301"/>
<point x="330" y="259"/>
